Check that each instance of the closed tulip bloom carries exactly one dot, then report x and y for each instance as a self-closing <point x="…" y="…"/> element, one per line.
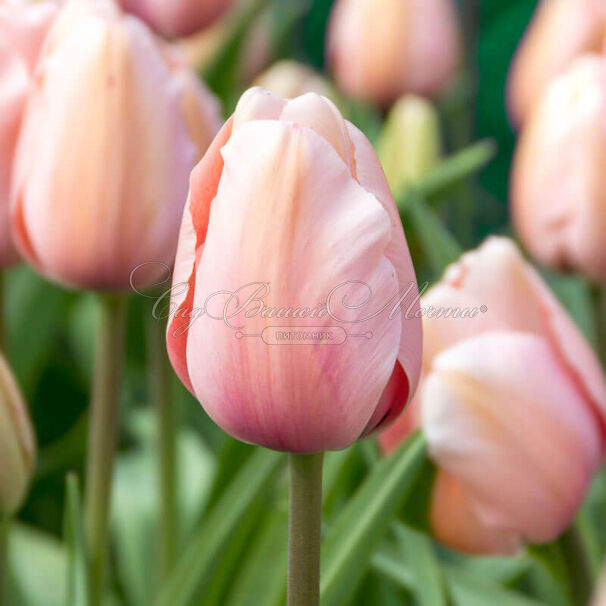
<point x="292" y="197"/>
<point x="382" y="49"/>
<point x="22" y="31"/>
<point x="561" y="31"/>
<point x="512" y="403"/>
<point x="17" y="444"/>
<point x="105" y="152"/>
<point x="410" y="143"/>
<point x="290" y="79"/>
<point x="558" y="182"/>
<point x="173" y="18"/>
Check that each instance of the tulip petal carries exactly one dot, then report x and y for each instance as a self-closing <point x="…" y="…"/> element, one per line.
<point x="516" y="298"/>
<point x="501" y="416"/>
<point x="288" y="214"/>
<point x="204" y="183"/>
<point x="371" y="177"/>
<point x="456" y="523"/>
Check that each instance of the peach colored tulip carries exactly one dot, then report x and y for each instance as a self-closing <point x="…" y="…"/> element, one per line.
<point x="558" y="184"/>
<point x="292" y="197"/>
<point x="381" y="49"/>
<point x="173" y="18"/>
<point x="106" y="150"/>
<point x="513" y="405"/>
<point x="599" y="599"/>
<point x="560" y="31"/>
<point x="290" y="79"/>
<point x="17" y="444"/>
<point x="22" y="31"/>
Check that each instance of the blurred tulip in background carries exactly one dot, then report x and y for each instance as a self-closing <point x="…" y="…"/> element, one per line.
<point x="22" y="31"/>
<point x="112" y="130"/>
<point x="560" y="31"/>
<point x="410" y="143"/>
<point x="173" y="18"/>
<point x="17" y="444"/>
<point x="381" y="49"/>
<point x="513" y="405"/>
<point x="290" y="79"/>
<point x="558" y="184"/>
<point x="308" y="211"/>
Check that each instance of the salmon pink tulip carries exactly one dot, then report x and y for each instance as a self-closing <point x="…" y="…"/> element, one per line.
<point x="382" y="49"/>
<point x="22" y="31"/>
<point x="173" y="18"/>
<point x="513" y="405"/>
<point x="561" y="31"/>
<point x="106" y="149"/>
<point x="290" y="256"/>
<point x="558" y="184"/>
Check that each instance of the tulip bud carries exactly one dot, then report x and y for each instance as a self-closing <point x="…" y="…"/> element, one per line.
<point x="558" y="181"/>
<point x="22" y="31"/>
<point x="17" y="444"/>
<point x="290" y="79"/>
<point x="513" y="405"/>
<point x="173" y="18"/>
<point x="410" y="143"/>
<point x="560" y="31"/>
<point x="382" y="49"/>
<point x="291" y="250"/>
<point x="105" y="152"/>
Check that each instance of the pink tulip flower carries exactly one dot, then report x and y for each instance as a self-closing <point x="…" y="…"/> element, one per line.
<point x="173" y="18"/>
<point x="560" y="31"/>
<point x="558" y="185"/>
<point x="106" y="150"/>
<point x="290" y="198"/>
<point x="22" y="31"/>
<point x="382" y="49"/>
<point x="513" y="405"/>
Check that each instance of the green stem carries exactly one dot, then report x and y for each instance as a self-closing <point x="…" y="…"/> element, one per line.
<point x="4" y="525"/>
<point x="103" y="429"/>
<point x="3" y="339"/>
<point x="305" y="529"/>
<point x="160" y="394"/>
<point x="578" y="564"/>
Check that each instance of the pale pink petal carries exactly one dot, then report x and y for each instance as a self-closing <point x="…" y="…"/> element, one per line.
<point x="272" y="223"/>
<point x="502" y="416"/>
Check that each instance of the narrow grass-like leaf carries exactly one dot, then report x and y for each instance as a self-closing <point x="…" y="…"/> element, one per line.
<point x="361" y="526"/>
<point x="77" y="569"/>
<point x="217" y="528"/>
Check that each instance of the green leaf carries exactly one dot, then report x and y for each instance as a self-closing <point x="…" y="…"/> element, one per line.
<point x="467" y="590"/>
<point x="38" y="566"/>
<point x="360" y="527"/>
<point x="417" y="554"/>
<point x="438" y="244"/>
<point x="77" y="572"/>
<point x="212" y="536"/>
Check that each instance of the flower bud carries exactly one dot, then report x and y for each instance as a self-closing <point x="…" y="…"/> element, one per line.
<point x="289" y="230"/>
<point x="410" y="143"/>
<point x="17" y="444"/>
<point x="290" y="79"/>
<point x="561" y="31"/>
<point x="382" y="49"/>
<point x="105" y="151"/>
<point x="177" y="17"/>
<point x="558" y="184"/>
<point x="22" y="31"/>
<point x="512" y="402"/>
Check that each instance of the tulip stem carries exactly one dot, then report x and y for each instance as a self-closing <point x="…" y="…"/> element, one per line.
<point x="160" y="394"/>
<point x="305" y="529"/>
<point x="4" y="573"/>
<point x="103" y="429"/>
